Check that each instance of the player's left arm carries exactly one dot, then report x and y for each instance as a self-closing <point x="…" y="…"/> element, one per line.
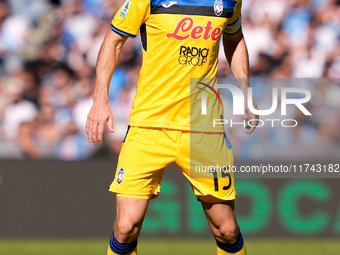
<point x="237" y="55"/>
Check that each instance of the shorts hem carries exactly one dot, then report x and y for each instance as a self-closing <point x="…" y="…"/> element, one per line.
<point x="147" y="196"/>
<point x="213" y="199"/>
<point x="177" y="127"/>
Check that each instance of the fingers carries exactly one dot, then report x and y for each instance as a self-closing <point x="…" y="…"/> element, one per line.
<point x="110" y="123"/>
<point x="95" y="127"/>
<point x="91" y="129"/>
<point x="100" y="132"/>
<point x="252" y="123"/>
<point x="251" y="128"/>
<point x="88" y="129"/>
<point x="246" y="118"/>
<point x="252" y="120"/>
<point x="94" y="130"/>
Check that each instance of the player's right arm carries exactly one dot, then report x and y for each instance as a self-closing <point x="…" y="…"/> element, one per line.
<point x="100" y="113"/>
<point x="126" y="23"/>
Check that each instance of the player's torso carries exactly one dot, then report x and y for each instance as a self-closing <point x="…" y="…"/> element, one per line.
<point x="180" y="40"/>
<point x="184" y="34"/>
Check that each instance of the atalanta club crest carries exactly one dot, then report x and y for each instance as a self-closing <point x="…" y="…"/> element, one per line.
<point x="218" y="7"/>
<point x="120" y="176"/>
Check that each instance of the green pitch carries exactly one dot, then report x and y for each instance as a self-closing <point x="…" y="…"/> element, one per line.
<point x="167" y="247"/>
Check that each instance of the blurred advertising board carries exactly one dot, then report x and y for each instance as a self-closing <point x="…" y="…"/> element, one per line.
<point x="70" y="199"/>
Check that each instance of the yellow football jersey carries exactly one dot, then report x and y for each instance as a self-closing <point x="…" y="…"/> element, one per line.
<point x="180" y="41"/>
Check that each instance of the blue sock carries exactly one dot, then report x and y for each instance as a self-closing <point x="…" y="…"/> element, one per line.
<point x="121" y="248"/>
<point x="232" y="248"/>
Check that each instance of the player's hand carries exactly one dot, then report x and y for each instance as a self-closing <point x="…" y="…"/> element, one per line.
<point x="99" y="115"/>
<point x="253" y="118"/>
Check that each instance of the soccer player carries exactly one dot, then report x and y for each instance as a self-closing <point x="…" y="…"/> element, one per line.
<point x="180" y="42"/>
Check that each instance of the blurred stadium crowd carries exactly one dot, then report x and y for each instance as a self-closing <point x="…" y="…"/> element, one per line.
<point x="48" y="51"/>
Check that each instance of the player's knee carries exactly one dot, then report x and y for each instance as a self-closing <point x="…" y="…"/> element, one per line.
<point x="126" y="231"/>
<point x="228" y="233"/>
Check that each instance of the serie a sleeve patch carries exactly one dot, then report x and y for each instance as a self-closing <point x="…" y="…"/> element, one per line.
<point x="129" y="18"/>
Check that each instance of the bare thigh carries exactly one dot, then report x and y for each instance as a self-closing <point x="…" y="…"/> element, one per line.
<point x="222" y="220"/>
<point x="130" y="213"/>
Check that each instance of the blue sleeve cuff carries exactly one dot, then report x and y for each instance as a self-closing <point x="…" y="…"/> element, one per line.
<point x="121" y="32"/>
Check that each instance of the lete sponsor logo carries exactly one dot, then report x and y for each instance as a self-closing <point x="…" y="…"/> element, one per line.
<point x="185" y="29"/>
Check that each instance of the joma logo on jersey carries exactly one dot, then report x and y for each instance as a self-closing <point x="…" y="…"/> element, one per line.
<point x="185" y="29"/>
<point x="193" y="56"/>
